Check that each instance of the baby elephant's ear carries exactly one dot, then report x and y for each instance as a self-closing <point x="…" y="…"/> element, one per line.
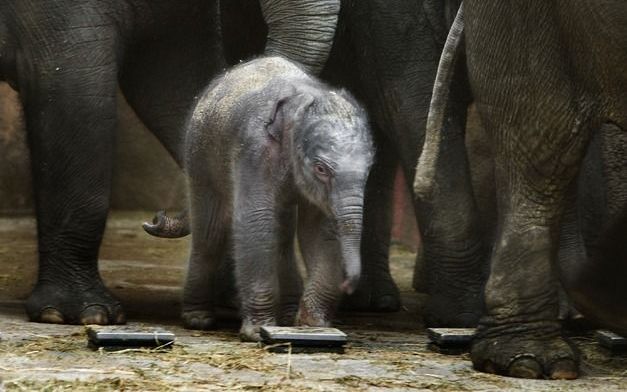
<point x="286" y="112"/>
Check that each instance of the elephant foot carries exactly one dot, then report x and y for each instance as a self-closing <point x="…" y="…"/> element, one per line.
<point x="524" y="355"/>
<point x="198" y="319"/>
<point x="447" y="311"/>
<point x="249" y="332"/>
<point x="377" y="294"/>
<point x="50" y="303"/>
<point x="288" y="314"/>
<point x="309" y="318"/>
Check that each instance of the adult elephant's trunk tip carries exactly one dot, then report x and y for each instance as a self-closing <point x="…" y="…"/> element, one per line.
<point x="165" y="226"/>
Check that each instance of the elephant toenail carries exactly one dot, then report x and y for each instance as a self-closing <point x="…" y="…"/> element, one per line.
<point x="525" y="367"/>
<point x="565" y="369"/>
<point x="94" y="314"/>
<point x="52" y="316"/>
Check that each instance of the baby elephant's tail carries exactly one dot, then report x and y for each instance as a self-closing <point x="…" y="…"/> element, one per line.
<point x="168" y="227"/>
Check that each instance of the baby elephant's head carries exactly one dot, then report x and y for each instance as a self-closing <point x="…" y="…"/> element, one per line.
<point x="331" y="153"/>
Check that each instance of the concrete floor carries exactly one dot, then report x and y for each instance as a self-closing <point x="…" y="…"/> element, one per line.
<point x="386" y="352"/>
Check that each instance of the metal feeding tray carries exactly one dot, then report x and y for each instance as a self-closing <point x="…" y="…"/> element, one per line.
<point x="450" y="340"/>
<point x="303" y="339"/>
<point x="117" y="339"/>
<point x="611" y="340"/>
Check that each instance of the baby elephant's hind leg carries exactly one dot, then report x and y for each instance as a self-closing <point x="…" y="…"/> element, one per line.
<point x="321" y="252"/>
<point x="207" y="250"/>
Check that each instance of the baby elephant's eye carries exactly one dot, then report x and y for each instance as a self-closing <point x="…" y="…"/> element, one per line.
<point x="321" y="170"/>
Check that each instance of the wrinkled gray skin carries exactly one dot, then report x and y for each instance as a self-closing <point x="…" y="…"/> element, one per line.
<point x="67" y="59"/>
<point x="549" y="79"/>
<point x="386" y="53"/>
<point x="269" y="148"/>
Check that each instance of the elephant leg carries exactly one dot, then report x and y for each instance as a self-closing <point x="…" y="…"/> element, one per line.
<point x="520" y="335"/>
<point x="69" y="96"/>
<point x="572" y="254"/>
<point x="319" y="246"/>
<point x="377" y="290"/>
<point x="290" y="281"/>
<point x="453" y="248"/>
<point x="208" y="249"/>
<point x="256" y="243"/>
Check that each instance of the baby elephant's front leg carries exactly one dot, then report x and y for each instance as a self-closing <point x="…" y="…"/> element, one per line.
<point x="256" y="253"/>
<point x="320" y="248"/>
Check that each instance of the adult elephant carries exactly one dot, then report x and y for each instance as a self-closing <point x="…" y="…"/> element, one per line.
<point x="66" y="60"/>
<point x="549" y="80"/>
<point x="387" y="53"/>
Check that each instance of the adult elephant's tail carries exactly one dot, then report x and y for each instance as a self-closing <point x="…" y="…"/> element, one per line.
<point x="168" y="227"/>
<point x="438" y="111"/>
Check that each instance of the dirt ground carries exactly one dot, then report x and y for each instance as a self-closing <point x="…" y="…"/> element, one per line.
<point x="386" y="352"/>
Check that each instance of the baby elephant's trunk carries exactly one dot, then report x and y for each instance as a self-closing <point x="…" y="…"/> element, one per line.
<point x="168" y="227"/>
<point x="349" y="218"/>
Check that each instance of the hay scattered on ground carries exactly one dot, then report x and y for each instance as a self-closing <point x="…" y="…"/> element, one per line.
<point x="385" y="382"/>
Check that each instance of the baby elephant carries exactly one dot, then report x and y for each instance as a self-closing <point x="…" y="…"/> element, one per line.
<point x="271" y="151"/>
